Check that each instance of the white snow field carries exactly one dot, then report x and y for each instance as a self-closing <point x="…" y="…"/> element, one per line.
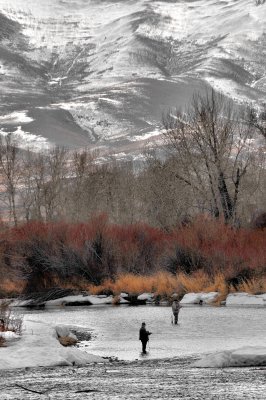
<point x="39" y="347"/>
<point x="102" y="72"/>
<point x="249" y="356"/>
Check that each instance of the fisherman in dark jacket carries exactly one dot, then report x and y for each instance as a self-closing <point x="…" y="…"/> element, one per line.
<point x="176" y="308"/>
<point x="144" y="337"/>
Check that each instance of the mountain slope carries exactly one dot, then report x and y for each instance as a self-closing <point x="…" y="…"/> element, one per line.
<point x="100" y="73"/>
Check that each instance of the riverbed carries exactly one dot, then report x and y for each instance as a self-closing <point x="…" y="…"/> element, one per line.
<point x="149" y="379"/>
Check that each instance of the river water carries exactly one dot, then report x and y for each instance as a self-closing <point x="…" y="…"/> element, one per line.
<point x="200" y="330"/>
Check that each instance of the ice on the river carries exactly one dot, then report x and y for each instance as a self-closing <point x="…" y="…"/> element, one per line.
<point x="196" y="298"/>
<point x="39" y="347"/>
<point x="247" y="356"/>
<point x="245" y="299"/>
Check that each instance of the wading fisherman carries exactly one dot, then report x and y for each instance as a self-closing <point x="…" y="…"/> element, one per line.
<point x="144" y="337"/>
<point x="176" y="308"/>
<point x="2" y="325"/>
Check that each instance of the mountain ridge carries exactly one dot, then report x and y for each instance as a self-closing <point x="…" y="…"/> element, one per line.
<point x="101" y="73"/>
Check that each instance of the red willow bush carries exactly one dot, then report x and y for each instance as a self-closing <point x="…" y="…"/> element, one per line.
<point x="45" y="255"/>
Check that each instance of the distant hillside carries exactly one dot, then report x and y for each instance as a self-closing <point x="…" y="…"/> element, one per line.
<point x="100" y="73"/>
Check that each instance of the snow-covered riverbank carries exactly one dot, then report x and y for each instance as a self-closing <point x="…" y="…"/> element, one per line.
<point x="214" y="334"/>
<point x="248" y="356"/>
<point x="201" y="298"/>
<point x="39" y="346"/>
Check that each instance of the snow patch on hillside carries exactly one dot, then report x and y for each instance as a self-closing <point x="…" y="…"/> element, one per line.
<point x="15" y="117"/>
<point x="102" y="60"/>
<point x="26" y="140"/>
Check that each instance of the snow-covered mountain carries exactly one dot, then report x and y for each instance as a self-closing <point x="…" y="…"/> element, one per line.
<point x="101" y="72"/>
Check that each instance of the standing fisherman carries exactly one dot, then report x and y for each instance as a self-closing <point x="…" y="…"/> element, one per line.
<point x="176" y="308"/>
<point x="144" y="337"/>
<point x="2" y="325"/>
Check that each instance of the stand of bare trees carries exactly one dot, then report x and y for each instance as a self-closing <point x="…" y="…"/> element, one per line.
<point x="212" y="164"/>
<point x="211" y="143"/>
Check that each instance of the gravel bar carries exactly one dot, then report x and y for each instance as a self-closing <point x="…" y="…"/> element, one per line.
<point x="147" y="379"/>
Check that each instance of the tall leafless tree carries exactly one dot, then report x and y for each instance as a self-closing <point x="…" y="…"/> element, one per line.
<point x="211" y="142"/>
<point x="10" y="171"/>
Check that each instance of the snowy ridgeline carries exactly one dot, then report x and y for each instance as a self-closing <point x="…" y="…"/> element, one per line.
<point x="39" y="347"/>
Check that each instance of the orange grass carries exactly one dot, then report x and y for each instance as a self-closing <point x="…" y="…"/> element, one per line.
<point x="164" y="284"/>
<point x="201" y="282"/>
<point x="11" y="287"/>
<point x="253" y="286"/>
<point x="160" y="283"/>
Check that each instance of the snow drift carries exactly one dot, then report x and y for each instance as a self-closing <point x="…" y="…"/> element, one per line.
<point x="74" y="300"/>
<point x="39" y="347"/>
<point x="245" y="299"/>
<point x="199" y="298"/>
<point x="248" y="356"/>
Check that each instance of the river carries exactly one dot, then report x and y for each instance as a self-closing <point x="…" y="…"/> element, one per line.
<point x="115" y="329"/>
<point x="165" y="373"/>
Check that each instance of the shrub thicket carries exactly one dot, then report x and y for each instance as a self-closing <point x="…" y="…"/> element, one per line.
<point x="40" y="256"/>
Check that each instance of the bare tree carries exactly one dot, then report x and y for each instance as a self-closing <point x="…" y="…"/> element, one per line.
<point x="45" y="179"/>
<point x="10" y="170"/>
<point x="163" y="202"/>
<point x="55" y="180"/>
<point x="211" y="143"/>
<point x="81" y="167"/>
<point x="258" y="120"/>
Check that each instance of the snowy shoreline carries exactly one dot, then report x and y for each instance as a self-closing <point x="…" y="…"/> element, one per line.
<point x="39" y="346"/>
<point x="247" y="356"/>
<point x="201" y="298"/>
